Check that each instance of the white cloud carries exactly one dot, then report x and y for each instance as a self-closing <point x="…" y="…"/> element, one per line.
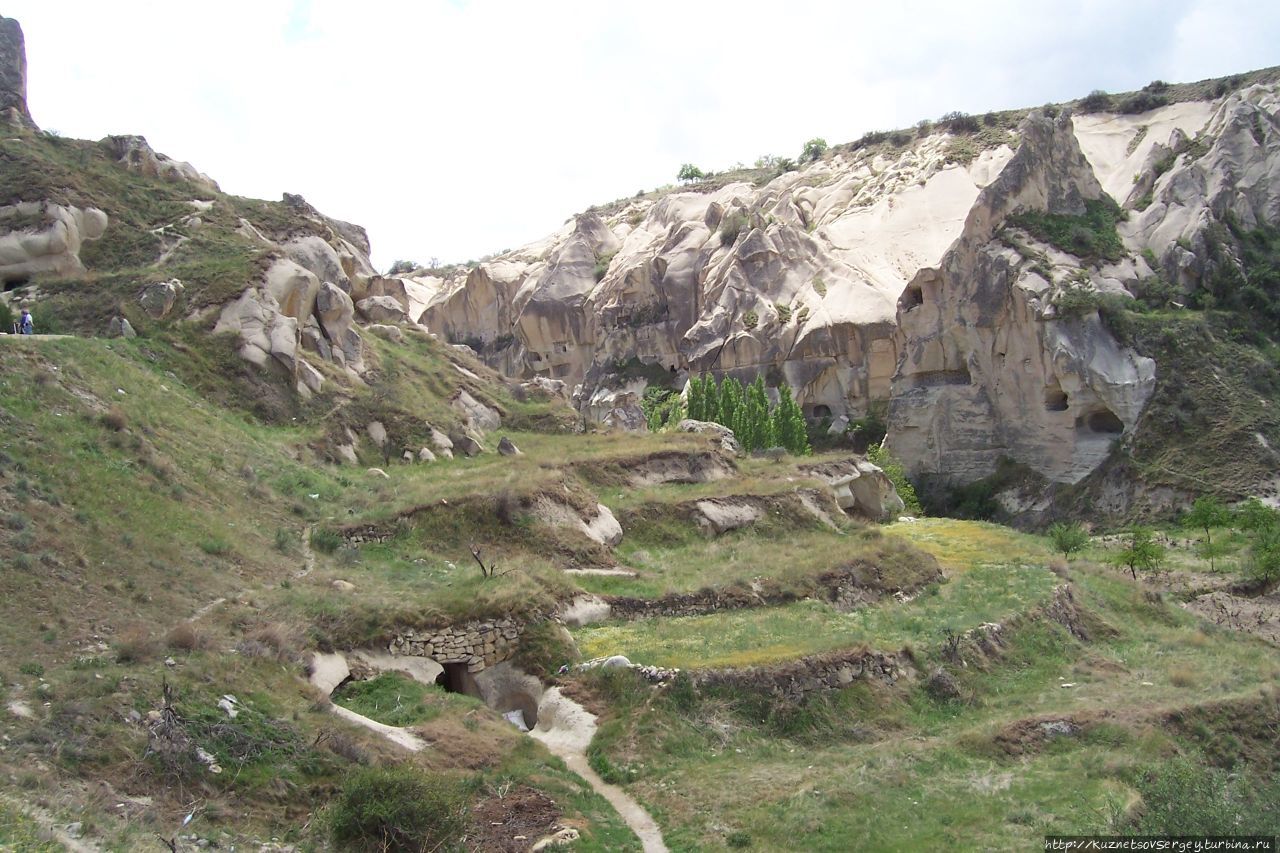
<point x="456" y="129"/>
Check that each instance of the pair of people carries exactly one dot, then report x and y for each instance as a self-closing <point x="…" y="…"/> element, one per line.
<point x="25" y="325"/>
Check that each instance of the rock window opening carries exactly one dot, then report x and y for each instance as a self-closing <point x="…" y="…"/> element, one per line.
<point x="1055" y="399"/>
<point x="913" y="297"/>
<point x="820" y="411"/>
<point x="1105" y="421"/>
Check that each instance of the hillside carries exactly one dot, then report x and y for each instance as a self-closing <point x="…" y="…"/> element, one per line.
<point x="852" y="277"/>
<point x="289" y="566"/>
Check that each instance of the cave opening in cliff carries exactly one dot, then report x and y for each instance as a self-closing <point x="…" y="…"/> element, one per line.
<point x="1055" y="399"/>
<point x="16" y="282"/>
<point x="820" y="411"/>
<point x="913" y="297"/>
<point x="1104" y="421"/>
<point x="456" y="678"/>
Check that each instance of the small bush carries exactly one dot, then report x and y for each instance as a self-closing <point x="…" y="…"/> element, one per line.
<point x="731" y="227"/>
<point x="115" y="420"/>
<point x="813" y="150"/>
<point x="750" y="319"/>
<point x="1096" y="101"/>
<point x="183" y="637"/>
<point x="134" y="645"/>
<point x="326" y="541"/>
<point x="1141" y="102"/>
<point x="215" y="546"/>
<point x="284" y="541"/>
<point x="398" y="810"/>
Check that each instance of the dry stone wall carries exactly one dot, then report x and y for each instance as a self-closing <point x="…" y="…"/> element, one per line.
<point x="479" y="645"/>
<point x="795" y="681"/>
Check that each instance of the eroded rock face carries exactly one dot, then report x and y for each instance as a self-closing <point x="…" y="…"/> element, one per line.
<point x="47" y="238"/>
<point x="986" y="368"/>
<point x="13" y="74"/>
<point x="796" y="278"/>
<point x="137" y="155"/>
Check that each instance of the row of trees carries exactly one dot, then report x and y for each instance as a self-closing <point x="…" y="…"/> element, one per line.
<point x="745" y="410"/>
<point x="1259" y="523"/>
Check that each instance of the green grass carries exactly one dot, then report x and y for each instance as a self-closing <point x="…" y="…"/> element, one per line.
<point x="398" y="700"/>
<point x="19" y="832"/>
<point x="766" y="635"/>
<point x="897" y="769"/>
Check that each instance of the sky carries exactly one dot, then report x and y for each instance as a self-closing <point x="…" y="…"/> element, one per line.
<point x="452" y="130"/>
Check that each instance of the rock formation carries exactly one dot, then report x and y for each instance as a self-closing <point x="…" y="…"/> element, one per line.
<point x="42" y="237"/>
<point x="796" y="278"/>
<point x="13" y="74"/>
<point x="986" y="370"/>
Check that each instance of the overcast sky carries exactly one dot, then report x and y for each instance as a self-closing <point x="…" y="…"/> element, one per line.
<point x="455" y="129"/>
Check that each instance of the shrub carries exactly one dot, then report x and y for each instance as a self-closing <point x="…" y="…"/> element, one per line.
<point x="398" y="810"/>
<point x="730" y="227"/>
<point x="1141" y="552"/>
<point x="602" y="265"/>
<point x="750" y="319"/>
<point x="284" y="540"/>
<point x="115" y="419"/>
<point x="1184" y="798"/>
<point x="813" y="150"/>
<point x="1141" y="102"/>
<point x="401" y="267"/>
<point x="1068" y="538"/>
<point x="1096" y="101"/>
<point x="1091" y="236"/>
<point x="326" y="541"/>
<point x="897" y="474"/>
<point x="958" y="122"/>
<point x="215" y="546"/>
<point x="784" y="312"/>
<point x="183" y="637"/>
<point x="1075" y="300"/>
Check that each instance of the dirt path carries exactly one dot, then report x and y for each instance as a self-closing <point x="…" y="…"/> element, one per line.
<point x="566" y="729"/>
<point x="308" y="556"/>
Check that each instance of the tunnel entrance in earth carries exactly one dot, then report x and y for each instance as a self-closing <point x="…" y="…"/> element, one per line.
<point x="455" y="678"/>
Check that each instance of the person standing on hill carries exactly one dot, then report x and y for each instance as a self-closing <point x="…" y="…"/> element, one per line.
<point x="26" y="326"/>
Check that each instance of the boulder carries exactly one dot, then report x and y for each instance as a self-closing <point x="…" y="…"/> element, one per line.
<point x="477" y="415"/>
<point x="310" y="380"/>
<point x="378" y="472"/>
<point x="343" y="586"/>
<point x="382" y="309"/>
<point x="387" y="333"/>
<point x="722" y="515"/>
<point x="157" y="299"/>
<point x="861" y="487"/>
<point x="721" y="436"/>
<point x="377" y="433"/>
<point x="119" y="327"/>
<point x="466" y="443"/>
<point x="943" y="685"/>
<point x="442" y="443"/>
<point x="425" y="455"/>
<point x="508" y="448"/>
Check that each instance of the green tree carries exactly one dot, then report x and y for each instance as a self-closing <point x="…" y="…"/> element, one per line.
<point x="1141" y="552"/>
<point x="1207" y="513"/>
<point x="689" y="172"/>
<point x="789" y="425"/>
<point x="730" y="398"/>
<point x="813" y="150"/>
<point x="1254" y="515"/>
<point x="1068" y="537"/>
<point x="1264" y="555"/>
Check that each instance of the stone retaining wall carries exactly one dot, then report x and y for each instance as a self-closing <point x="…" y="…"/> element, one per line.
<point x="799" y="679"/>
<point x="847" y="589"/>
<point x="477" y="644"/>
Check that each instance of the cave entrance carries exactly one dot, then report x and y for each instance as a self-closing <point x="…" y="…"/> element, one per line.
<point x="15" y="283"/>
<point x="1104" y="422"/>
<point x="455" y="678"/>
<point x="1055" y="399"/>
<point x="513" y="702"/>
<point x="820" y="411"/>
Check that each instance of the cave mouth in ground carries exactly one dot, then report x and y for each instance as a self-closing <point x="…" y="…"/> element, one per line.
<point x="456" y="678"/>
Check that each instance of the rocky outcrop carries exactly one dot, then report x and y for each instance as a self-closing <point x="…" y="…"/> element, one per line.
<point x="860" y="487"/>
<point x="795" y="278"/>
<point x="45" y="238"/>
<point x="13" y="75"/>
<point x="797" y="680"/>
<point x="987" y="369"/>
<point x="137" y="155"/>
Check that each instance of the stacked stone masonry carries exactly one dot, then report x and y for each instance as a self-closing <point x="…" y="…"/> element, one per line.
<point x="479" y="645"/>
